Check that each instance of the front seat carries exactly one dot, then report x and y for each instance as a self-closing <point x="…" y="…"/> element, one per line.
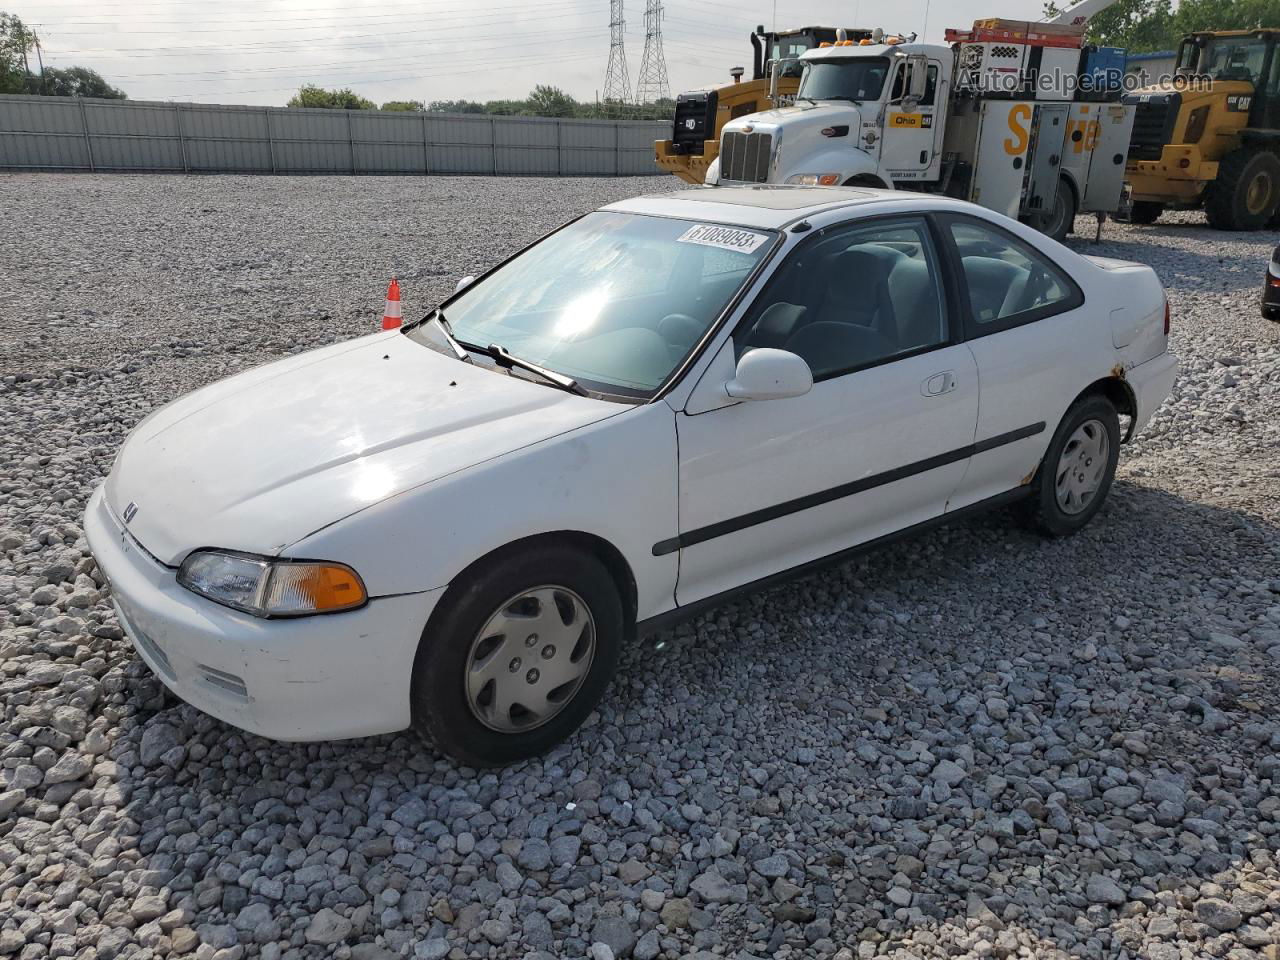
<point x="856" y="290"/>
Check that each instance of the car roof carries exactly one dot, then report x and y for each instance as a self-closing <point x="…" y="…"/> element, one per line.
<point x="770" y="206"/>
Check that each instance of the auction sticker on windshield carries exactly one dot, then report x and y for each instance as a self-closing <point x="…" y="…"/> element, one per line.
<point x="726" y="238"/>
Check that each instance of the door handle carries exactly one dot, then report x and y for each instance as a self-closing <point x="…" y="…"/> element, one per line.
<point x="938" y="384"/>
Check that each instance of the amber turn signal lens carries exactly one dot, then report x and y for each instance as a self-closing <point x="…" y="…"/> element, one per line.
<point x="298" y="588"/>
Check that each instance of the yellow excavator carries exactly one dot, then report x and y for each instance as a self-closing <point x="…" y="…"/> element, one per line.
<point x="1210" y="136"/>
<point x="695" y="134"/>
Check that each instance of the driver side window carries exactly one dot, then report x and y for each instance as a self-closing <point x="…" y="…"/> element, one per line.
<point x="1009" y="282"/>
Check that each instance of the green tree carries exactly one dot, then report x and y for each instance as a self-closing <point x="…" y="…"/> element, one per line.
<point x="1142" y="26"/>
<point x="73" y="82"/>
<point x="547" y="101"/>
<point x="310" y="95"/>
<point x="456" y="106"/>
<point x="16" y="40"/>
<point x="1225" y="15"/>
<point x="404" y="105"/>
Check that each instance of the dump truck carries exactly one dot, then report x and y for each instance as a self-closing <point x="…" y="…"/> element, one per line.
<point x="701" y="114"/>
<point x="1210" y="134"/>
<point x="1021" y="117"/>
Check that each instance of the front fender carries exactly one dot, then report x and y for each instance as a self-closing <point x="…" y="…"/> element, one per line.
<point x="713" y="173"/>
<point x="586" y="481"/>
<point x="844" y="162"/>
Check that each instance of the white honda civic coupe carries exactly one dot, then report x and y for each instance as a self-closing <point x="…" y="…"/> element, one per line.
<point x="458" y="525"/>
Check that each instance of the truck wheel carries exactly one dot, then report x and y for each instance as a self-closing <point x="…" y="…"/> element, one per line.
<point x="1146" y="212"/>
<point x="1063" y="218"/>
<point x="1247" y="191"/>
<point x="517" y="655"/>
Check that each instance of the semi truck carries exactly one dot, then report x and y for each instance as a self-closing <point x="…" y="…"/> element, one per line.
<point x="701" y="114"/>
<point x="1018" y="116"/>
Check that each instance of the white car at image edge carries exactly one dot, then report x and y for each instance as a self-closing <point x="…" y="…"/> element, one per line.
<point x="457" y="526"/>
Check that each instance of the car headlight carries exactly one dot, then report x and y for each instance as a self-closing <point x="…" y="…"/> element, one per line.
<point x="814" y="179"/>
<point x="272" y="588"/>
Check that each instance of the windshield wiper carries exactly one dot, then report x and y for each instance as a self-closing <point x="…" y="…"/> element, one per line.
<point x="458" y="349"/>
<point x="506" y="359"/>
<point x="810" y="99"/>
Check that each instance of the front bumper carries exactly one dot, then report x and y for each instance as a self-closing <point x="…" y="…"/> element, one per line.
<point x="1152" y="383"/>
<point x="326" y="677"/>
<point x="1179" y="176"/>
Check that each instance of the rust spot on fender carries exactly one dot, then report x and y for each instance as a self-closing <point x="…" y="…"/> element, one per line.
<point x="1026" y="481"/>
<point x="1118" y="371"/>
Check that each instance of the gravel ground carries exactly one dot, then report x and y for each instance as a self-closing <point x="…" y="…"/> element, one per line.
<point x="975" y="744"/>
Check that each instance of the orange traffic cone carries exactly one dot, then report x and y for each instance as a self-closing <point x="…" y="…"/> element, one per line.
<point x="391" y="313"/>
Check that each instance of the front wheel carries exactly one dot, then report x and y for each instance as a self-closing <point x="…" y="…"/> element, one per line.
<point x="517" y="656"/>
<point x="1077" y="471"/>
<point x="1246" y="193"/>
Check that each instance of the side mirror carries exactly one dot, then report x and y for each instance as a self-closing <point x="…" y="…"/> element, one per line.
<point x="764" y="373"/>
<point x="465" y="282"/>
<point x="919" y="76"/>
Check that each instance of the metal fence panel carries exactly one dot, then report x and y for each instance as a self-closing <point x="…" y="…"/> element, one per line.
<point x="448" y="129"/>
<point x="585" y="133"/>
<point x="390" y="157"/>
<point x="56" y="151"/>
<point x="460" y="159"/>
<point x="59" y="133"/>
<point x="230" y="156"/>
<point x="130" y="119"/>
<point x="234" y="123"/>
<point x="579" y="162"/>
<point x="137" y="154"/>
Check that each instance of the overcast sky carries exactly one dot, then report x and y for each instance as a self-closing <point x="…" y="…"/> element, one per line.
<point x="260" y="51"/>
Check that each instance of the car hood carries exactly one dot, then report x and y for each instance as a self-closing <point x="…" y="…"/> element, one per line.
<point x="260" y="460"/>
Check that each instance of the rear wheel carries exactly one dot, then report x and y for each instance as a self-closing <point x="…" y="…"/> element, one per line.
<point x="517" y="655"/>
<point x="1077" y="471"/>
<point x="1060" y="222"/>
<point x="1146" y="212"/>
<point x="1246" y="193"/>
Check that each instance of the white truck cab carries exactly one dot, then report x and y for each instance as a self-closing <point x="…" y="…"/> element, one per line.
<point x="864" y="114"/>
<point x="928" y="117"/>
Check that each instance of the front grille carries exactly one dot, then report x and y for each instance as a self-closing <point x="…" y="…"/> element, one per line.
<point x="1153" y="123"/>
<point x="695" y="120"/>
<point x="745" y="156"/>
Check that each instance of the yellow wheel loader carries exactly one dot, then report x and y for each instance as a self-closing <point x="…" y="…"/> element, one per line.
<point x="1210" y="135"/>
<point x="695" y="135"/>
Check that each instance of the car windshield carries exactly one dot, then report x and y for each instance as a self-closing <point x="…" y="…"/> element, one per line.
<point x="860" y="78"/>
<point x="614" y="300"/>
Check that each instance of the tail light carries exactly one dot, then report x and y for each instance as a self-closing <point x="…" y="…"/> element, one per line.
<point x="1167" y="317"/>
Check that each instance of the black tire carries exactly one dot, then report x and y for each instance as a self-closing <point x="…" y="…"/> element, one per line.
<point x="1246" y="193"/>
<point x="441" y="709"/>
<point x="1061" y="221"/>
<point x="1146" y="212"/>
<point x="1041" y="510"/>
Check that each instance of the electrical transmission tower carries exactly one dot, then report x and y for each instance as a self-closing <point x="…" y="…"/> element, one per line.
<point x="617" y="81"/>
<point x="653" y="84"/>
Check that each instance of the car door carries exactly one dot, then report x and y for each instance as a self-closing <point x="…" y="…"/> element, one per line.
<point x="1035" y="345"/>
<point x="877" y="445"/>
